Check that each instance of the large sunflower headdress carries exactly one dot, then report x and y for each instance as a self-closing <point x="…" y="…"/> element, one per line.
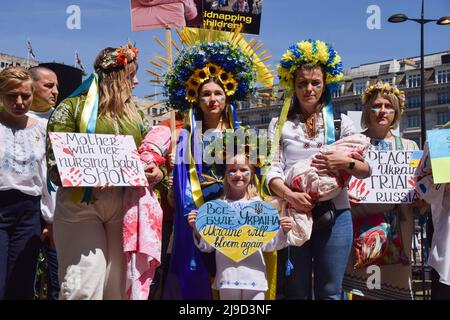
<point x="210" y="53"/>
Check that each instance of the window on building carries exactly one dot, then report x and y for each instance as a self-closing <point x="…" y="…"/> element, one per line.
<point x="442" y="117"/>
<point x="413" y="80"/>
<point x="412" y="102"/>
<point x="359" y="88"/>
<point x="337" y="93"/>
<point x="389" y="80"/>
<point x="443" y="97"/>
<point x="413" y="121"/>
<point x="265" y="117"/>
<point x="357" y="107"/>
<point x="443" y="76"/>
<point x="244" y="120"/>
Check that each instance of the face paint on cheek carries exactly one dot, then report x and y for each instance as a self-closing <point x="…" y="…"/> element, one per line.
<point x="391" y="113"/>
<point x="204" y="100"/>
<point x="247" y="174"/>
<point x="231" y="174"/>
<point x="374" y="110"/>
<point x="318" y="87"/>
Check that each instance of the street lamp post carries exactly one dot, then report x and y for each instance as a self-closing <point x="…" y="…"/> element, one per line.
<point x="400" y="17"/>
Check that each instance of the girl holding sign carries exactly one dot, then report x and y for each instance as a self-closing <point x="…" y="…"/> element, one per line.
<point x="210" y="73"/>
<point x="246" y="279"/>
<point x="309" y="71"/>
<point x="383" y="232"/>
<point x="22" y="172"/>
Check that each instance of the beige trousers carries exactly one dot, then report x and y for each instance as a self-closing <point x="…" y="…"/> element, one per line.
<point x="88" y="241"/>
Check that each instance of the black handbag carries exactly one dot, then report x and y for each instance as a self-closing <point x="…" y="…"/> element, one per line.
<point x="324" y="215"/>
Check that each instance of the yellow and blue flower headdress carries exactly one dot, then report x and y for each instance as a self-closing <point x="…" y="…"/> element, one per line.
<point x="211" y="53"/>
<point x="310" y="51"/>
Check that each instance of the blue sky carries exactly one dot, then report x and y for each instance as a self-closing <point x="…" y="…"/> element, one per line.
<point x="107" y="23"/>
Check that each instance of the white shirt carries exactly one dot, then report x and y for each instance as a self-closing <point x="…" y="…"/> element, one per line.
<point x="247" y="274"/>
<point x="48" y="200"/>
<point x="22" y="159"/>
<point x="438" y="195"/>
<point x="295" y="146"/>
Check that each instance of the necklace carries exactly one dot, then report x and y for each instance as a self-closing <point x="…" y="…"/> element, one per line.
<point x="310" y="124"/>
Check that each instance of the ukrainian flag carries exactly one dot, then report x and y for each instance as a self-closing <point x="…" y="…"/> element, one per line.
<point x="439" y="144"/>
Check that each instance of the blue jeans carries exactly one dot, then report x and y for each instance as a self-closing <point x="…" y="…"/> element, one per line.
<point x="20" y="229"/>
<point x="325" y="255"/>
<point x="52" y="263"/>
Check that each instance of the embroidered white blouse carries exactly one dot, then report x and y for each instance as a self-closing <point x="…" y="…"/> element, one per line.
<point x="22" y="159"/>
<point x="295" y="145"/>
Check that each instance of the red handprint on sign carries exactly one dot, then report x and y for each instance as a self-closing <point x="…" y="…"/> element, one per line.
<point x="412" y="182"/>
<point x="358" y="189"/>
<point x="71" y="178"/>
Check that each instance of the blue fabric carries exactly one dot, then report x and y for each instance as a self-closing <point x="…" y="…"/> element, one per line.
<point x="329" y="114"/>
<point x="20" y="228"/>
<point x="330" y="250"/>
<point x="52" y="267"/>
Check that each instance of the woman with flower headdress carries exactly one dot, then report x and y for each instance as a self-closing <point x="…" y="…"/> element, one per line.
<point x="383" y="232"/>
<point x="309" y="71"/>
<point x="88" y="223"/>
<point x="206" y="78"/>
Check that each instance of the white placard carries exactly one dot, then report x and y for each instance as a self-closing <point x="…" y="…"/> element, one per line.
<point x="94" y="160"/>
<point x="391" y="181"/>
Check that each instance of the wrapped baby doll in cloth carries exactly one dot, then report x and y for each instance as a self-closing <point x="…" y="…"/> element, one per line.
<point x="302" y="177"/>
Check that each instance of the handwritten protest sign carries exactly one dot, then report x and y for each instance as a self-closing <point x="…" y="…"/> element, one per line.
<point x="237" y="234"/>
<point x="391" y="181"/>
<point x="439" y="145"/>
<point x="97" y="160"/>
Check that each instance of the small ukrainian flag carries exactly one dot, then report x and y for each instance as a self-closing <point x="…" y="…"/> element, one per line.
<point x="415" y="158"/>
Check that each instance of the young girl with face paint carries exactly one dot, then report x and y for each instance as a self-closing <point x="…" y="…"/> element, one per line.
<point x="246" y="279"/>
<point x="382" y="107"/>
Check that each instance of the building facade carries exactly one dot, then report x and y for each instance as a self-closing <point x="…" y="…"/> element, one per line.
<point x="405" y="73"/>
<point x="7" y="60"/>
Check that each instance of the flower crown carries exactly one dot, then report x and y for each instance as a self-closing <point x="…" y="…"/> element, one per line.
<point x="202" y="61"/>
<point x="119" y="57"/>
<point x="310" y="51"/>
<point x="384" y="87"/>
<point x="248" y="140"/>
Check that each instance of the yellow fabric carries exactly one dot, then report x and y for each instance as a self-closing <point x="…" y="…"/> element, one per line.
<point x="271" y="272"/>
<point x="196" y="188"/>
<point x="89" y="105"/>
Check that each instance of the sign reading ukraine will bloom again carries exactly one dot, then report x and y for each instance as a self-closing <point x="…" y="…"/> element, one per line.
<point x="237" y="234"/>
<point x="391" y="180"/>
<point x="95" y="160"/>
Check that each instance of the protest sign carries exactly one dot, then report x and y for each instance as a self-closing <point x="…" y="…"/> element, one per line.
<point x="237" y="234"/>
<point x="228" y="15"/>
<point x="439" y="146"/>
<point x="93" y="160"/>
<point x="391" y="181"/>
<point x="161" y="14"/>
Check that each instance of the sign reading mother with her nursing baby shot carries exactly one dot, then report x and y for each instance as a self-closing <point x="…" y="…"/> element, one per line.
<point x="391" y="180"/>
<point x="94" y="160"/>
<point x="237" y="234"/>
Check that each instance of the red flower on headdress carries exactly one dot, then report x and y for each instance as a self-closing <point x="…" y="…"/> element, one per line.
<point x="135" y="51"/>
<point x="122" y="59"/>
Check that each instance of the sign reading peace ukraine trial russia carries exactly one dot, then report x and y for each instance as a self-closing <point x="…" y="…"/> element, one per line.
<point x="237" y="234"/>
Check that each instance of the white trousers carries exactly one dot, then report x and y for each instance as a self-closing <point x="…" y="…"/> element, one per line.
<point x="239" y="294"/>
<point x="89" y="245"/>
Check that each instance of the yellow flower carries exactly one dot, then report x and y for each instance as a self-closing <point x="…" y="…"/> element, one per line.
<point x="191" y="93"/>
<point x="193" y="81"/>
<point x="230" y="87"/>
<point x="289" y="56"/>
<point x="213" y="69"/>
<point x="201" y="74"/>
<point x="322" y="52"/>
<point x="336" y="60"/>
<point x="306" y="48"/>
<point x="225" y="77"/>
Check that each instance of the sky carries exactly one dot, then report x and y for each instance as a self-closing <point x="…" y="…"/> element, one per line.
<point x="284" y="22"/>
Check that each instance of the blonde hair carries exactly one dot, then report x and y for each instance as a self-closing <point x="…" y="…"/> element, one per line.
<point x="115" y="88"/>
<point x="393" y="99"/>
<point x="252" y="189"/>
<point x="12" y="77"/>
